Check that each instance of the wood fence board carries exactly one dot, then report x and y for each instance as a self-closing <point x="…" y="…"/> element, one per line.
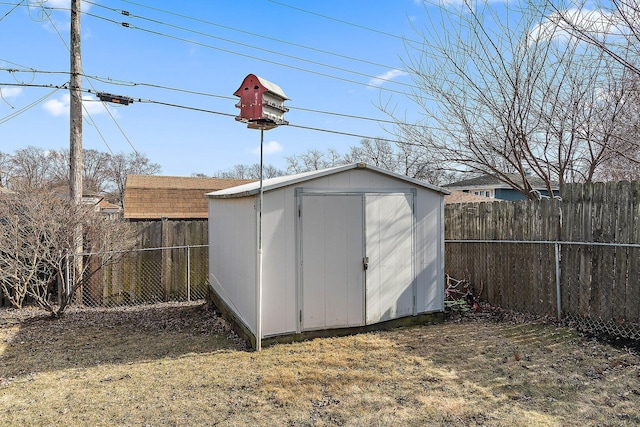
<point x="622" y="235"/>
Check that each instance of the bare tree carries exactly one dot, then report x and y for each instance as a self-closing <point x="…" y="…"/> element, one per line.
<point x="404" y="159"/>
<point x="314" y="160"/>
<point x="250" y="172"/>
<point x="34" y="168"/>
<point x="121" y="165"/>
<point x="37" y="235"/>
<point x="30" y="168"/>
<point x="505" y="96"/>
<point x="612" y="26"/>
<point x="96" y="170"/>
<point x="624" y="161"/>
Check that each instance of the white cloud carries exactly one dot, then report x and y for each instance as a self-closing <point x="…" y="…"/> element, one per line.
<point x="60" y="106"/>
<point x="60" y="4"/>
<point x="559" y="24"/>
<point x="270" y="147"/>
<point x="57" y="107"/>
<point x="385" y="77"/>
<point x="10" y="92"/>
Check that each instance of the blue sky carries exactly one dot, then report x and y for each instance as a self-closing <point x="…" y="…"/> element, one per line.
<point x="329" y="64"/>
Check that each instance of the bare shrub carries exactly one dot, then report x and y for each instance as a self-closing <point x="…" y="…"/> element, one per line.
<point x="37" y="234"/>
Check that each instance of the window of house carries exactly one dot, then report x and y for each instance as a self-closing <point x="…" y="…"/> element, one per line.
<point x="485" y="193"/>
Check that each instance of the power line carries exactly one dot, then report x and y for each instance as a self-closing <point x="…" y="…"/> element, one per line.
<point x="326" y="52"/>
<point x="297" y="58"/>
<point x="181" y="39"/>
<point x="208" y="111"/>
<point x="372" y="77"/>
<point x="34" y="103"/>
<point x="11" y="10"/>
<point x="83" y="107"/>
<point x="343" y="21"/>
<point x="231" y="98"/>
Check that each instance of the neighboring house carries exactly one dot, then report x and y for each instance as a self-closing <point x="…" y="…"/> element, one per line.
<point x="462" y="197"/>
<point x="101" y="205"/>
<point x="152" y="197"/>
<point x="492" y="187"/>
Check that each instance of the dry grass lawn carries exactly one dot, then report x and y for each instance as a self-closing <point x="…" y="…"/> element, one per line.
<point x="179" y="365"/>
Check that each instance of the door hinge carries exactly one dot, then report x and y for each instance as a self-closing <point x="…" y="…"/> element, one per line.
<point x="301" y="317"/>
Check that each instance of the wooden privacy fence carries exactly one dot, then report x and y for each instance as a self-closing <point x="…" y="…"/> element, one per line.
<point x="578" y="258"/>
<point x="170" y="264"/>
<point x="491" y="245"/>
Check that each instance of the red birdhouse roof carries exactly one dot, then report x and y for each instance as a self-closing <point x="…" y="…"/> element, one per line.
<point x="266" y="84"/>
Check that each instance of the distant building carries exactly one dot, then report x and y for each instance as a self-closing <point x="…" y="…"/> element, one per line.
<point x="462" y="197"/>
<point x="493" y="188"/>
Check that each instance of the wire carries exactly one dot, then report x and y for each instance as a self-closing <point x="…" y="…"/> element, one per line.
<point x="86" y="111"/>
<point x="97" y="128"/>
<point x="12" y="9"/>
<point x="203" y="110"/>
<point x="33" y="104"/>
<point x="185" y="107"/>
<point x="127" y="25"/>
<point x="326" y="52"/>
<point x="192" y="92"/>
<point x="342" y="21"/>
<point x="342" y="133"/>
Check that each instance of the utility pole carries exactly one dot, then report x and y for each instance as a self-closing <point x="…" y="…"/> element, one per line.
<point x="75" y="138"/>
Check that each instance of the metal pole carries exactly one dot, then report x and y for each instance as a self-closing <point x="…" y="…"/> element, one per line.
<point x="188" y="273"/>
<point x="558" y="297"/>
<point x="67" y="286"/>
<point x="259" y="290"/>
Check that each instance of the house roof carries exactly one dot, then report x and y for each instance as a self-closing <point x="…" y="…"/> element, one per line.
<point x="175" y="197"/>
<point x="490" y="181"/>
<point x="106" y="206"/>
<point x="462" y="197"/>
<point x="253" y="188"/>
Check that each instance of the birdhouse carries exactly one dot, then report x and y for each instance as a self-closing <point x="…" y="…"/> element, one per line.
<point x="261" y="103"/>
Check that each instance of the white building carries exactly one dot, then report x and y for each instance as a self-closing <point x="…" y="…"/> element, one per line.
<point x="345" y="249"/>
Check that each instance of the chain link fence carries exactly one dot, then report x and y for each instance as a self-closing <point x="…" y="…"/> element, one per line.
<point x="592" y="286"/>
<point x="144" y="276"/>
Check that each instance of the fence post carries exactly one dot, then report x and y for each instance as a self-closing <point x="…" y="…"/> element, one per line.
<point x="67" y="285"/>
<point x="188" y="273"/>
<point x="558" y="298"/>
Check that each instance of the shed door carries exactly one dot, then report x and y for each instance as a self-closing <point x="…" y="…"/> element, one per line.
<point x="331" y="261"/>
<point x="389" y="249"/>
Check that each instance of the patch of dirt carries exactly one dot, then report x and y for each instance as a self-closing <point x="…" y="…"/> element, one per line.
<point x="194" y="317"/>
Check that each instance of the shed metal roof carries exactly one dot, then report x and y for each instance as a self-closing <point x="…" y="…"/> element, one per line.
<point x="271" y="184"/>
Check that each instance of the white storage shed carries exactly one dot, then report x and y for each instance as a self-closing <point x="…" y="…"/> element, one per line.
<point x="348" y="248"/>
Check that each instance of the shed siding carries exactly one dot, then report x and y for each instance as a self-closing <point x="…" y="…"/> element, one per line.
<point x="430" y="252"/>
<point x="279" y="312"/>
<point x="232" y="255"/>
